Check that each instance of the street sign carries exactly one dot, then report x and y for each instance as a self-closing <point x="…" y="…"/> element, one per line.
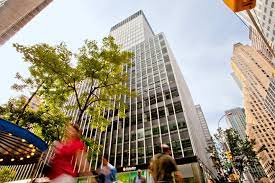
<point x="240" y="5"/>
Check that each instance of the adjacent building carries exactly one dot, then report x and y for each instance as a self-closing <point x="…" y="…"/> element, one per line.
<point x="163" y="111"/>
<point x="15" y="14"/>
<point x="236" y="119"/>
<point x="204" y="126"/>
<point x="208" y="138"/>
<point x="270" y="97"/>
<point x="264" y="15"/>
<point x="254" y="72"/>
<point x="34" y="103"/>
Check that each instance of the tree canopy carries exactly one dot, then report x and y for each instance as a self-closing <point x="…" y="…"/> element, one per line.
<point x="241" y="150"/>
<point x="6" y="174"/>
<point x="89" y="81"/>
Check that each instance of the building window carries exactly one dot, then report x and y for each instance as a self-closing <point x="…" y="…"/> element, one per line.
<point x="167" y="95"/>
<point x="139" y="105"/>
<point x="140" y="134"/>
<point x="174" y="92"/>
<point x="161" y="112"/>
<point x="152" y="99"/>
<point x="166" y="58"/>
<point x="170" y="109"/>
<point x="172" y="126"/>
<point x="133" y="119"/>
<point x="164" y="129"/>
<point x="168" y="68"/>
<point x="178" y="107"/>
<point x="182" y="124"/>
<point x="139" y="118"/>
<point x="133" y="136"/>
<point x="148" y="132"/>
<point x="164" y="50"/>
<point x="159" y="97"/>
<point x="162" y="43"/>
<point x="186" y="143"/>
<point x="154" y="114"/>
<point x="155" y="131"/>
<point x="171" y="78"/>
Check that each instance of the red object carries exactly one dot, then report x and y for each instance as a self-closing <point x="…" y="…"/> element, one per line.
<point x="64" y="160"/>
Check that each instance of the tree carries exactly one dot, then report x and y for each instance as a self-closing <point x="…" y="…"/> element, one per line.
<point x="241" y="150"/>
<point x="101" y="69"/>
<point x="47" y="122"/>
<point x="30" y="83"/>
<point x="6" y="174"/>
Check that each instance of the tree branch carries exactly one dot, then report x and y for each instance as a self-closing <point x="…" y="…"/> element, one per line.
<point x="76" y="95"/>
<point x="27" y="103"/>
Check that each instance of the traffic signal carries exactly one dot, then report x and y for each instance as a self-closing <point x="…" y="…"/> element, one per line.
<point x="228" y="155"/>
<point x="240" y="5"/>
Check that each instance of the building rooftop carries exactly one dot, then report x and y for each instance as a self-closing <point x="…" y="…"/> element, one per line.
<point x="139" y="13"/>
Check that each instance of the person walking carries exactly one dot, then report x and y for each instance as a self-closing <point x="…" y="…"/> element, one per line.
<point x="139" y="178"/>
<point x="108" y="172"/>
<point x="164" y="167"/>
<point x="68" y="153"/>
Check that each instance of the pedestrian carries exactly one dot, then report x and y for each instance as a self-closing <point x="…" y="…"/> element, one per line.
<point x="210" y="180"/>
<point x="139" y="178"/>
<point x="107" y="173"/>
<point x="68" y="153"/>
<point x="164" y="167"/>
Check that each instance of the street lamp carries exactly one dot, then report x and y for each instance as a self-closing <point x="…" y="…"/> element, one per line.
<point x="230" y="113"/>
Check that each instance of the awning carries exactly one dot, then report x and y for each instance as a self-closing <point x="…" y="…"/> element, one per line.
<point x="18" y="145"/>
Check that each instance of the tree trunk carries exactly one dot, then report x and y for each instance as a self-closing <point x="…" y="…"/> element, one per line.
<point x="81" y="113"/>
<point x="27" y="103"/>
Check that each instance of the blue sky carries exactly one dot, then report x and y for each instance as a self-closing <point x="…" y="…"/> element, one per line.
<point x="201" y="34"/>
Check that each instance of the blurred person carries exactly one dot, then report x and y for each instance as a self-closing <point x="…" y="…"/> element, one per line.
<point x="139" y="178"/>
<point x="107" y="173"/>
<point x="164" y="167"/>
<point x="69" y="152"/>
<point x="210" y="181"/>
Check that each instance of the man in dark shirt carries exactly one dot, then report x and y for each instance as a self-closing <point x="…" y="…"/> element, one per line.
<point x="163" y="166"/>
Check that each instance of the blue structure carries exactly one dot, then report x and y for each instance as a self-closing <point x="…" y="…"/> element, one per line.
<point x="18" y="145"/>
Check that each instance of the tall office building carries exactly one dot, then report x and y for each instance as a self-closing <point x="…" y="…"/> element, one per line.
<point x="204" y="125"/>
<point x="253" y="70"/>
<point x="14" y="14"/>
<point x="236" y="119"/>
<point x="264" y="15"/>
<point x="270" y="97"/>
<point x="163" y="111"/>
<point x="209" y="141"/>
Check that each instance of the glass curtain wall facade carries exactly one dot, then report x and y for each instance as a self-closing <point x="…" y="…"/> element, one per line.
<point x="163" y="110"/>
<point x="236" y="119"/>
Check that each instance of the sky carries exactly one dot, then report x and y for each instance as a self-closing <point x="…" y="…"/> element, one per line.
<point x="200" y="33"/>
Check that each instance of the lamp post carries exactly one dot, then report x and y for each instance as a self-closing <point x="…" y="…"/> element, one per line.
<point x="226" y="114"/>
